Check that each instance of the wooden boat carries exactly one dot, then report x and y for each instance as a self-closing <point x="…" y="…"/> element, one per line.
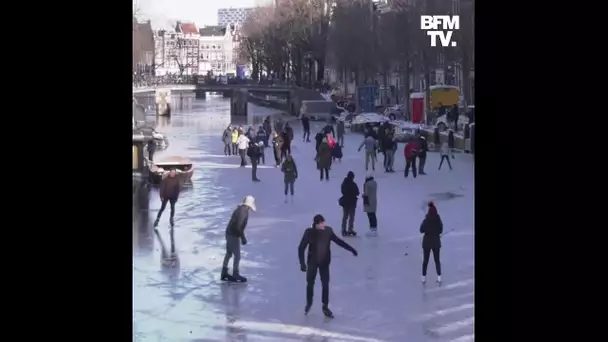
<point x="182" y="164"/>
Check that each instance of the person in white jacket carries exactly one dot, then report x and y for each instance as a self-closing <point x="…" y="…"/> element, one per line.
<point x="445" y="152"/>
<point x="243" y="143"/>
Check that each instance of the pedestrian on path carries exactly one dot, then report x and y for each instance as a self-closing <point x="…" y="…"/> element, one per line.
<point x="169" y="192"/>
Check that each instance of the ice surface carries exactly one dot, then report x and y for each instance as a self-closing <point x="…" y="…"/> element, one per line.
<point x="376" y="296"/>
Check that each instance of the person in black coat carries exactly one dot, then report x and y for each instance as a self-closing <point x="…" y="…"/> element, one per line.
<point x="306" y="128"/>
<point x="253" y="151"/>
<point x="319" y="139"/>
<point x="318" y="239"/>
<point x="348" y="202"/>
<point x="423" y="148"/>
<point x="432" y="228"/>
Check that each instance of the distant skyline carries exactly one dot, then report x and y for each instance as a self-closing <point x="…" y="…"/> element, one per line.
<point x="163" y="13"/>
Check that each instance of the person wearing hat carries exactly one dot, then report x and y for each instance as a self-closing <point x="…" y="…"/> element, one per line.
<point x="235" y="236"/>
<point x="432" y="228"/>
<point x="318" y="239"/>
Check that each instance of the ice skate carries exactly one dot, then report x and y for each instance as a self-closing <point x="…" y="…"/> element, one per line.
<point x="424" y="279"/>
<point x="307" y="309"/>
<point x="439" y="279"/>
<point x="327" y="312"/>
<point x="239" y="278"/>
<point x="155" y="223"/>
<point x="351" y="233"/>
<point x="344" y="233"/>
<point x="225" y="276"/>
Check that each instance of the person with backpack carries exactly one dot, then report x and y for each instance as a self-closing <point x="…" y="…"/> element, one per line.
<point x="348" y="202"/>
<point x="432" y="228"/>
<point x="290" y="172"/>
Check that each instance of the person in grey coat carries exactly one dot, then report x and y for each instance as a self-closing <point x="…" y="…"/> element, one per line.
<point x="235" y="236"/>
<point x="370" y="201"/>
<point x="370" y="151"/>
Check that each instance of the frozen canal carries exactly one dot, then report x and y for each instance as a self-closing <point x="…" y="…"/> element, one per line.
<point x="376" y="296"/>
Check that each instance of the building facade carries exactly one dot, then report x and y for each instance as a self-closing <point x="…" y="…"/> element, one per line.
<point x="232" y="16"/>
<point x="143" y="48"/>
<point x="217" y="50"/>
<point x="177" y="52"/>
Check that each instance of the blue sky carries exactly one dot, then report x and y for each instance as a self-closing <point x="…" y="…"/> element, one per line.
<point x="202" y="12"/>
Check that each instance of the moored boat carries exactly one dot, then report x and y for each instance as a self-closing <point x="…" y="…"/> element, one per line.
<point x="183" y="166"/>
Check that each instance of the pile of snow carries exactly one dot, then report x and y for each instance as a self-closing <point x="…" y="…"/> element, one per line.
<point x="364" y="118"/>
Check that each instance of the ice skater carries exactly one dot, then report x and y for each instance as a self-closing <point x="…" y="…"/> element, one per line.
<point x="370" y="151"/>
<point x="370" y="201"/>
<point x="169" y="192"/>
<point x="235" y="236"/>
<point x="445" y="152"/>
<point x="422" y="149"/>
<point x="348" y="202"/>
<point x="290" y="170"/>
<point x="432" y="228"/>
<point x="318" y="239"/>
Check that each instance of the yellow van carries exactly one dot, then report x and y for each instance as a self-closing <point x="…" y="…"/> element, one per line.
<point x="444" y="95"/>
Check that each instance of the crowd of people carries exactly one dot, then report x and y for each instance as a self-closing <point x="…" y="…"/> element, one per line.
<point x="317" y="238"/>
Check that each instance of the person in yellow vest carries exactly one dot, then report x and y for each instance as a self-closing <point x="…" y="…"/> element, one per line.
<point x="235" y="136"/>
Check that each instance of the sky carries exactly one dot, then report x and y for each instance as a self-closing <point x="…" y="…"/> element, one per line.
<point x="201" y="12"/>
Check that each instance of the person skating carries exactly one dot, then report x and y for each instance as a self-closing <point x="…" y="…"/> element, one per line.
<point x="227" y="139"/>
<point x="370" y="151"/>
<point x="286" y="148"/>
<point x="235" y="136"/>
<point x="323" y="159"/>
<point x="169" y="192"/>
<point x="243" y="143"/>
<point x="151" y="149"/>
<point x="306" y="128"/>
<point x="260" y="138"/>
<point x="445" y="151"/>
<point x="329" y="128"/>
<point x="253" y="152"/>
<point x="370" y="201"/>
<point x="432" y="228"/>
<point x="318" y="239"/>
<point x="422" y="149"/>
<point x="267" y="128"/>
<point x="390" y="146"/>
<point x="235" y="236"/>
<point x="348" y="202"/>
<point x="277" y="145"/>
<point x="289" y="131"/>
<point x="340" y="132"/>
<point x="451" y="142"/>
<point x="336" y="153"/>
<point x="410" y="150"/>
<point x="318" y="139"/>
<point x="290" y="170"/>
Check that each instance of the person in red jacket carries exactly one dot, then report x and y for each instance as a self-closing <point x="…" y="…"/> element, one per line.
<point x="410" y="151"/>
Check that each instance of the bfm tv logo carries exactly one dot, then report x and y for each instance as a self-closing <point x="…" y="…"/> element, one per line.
<point x="430" y="24"/>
